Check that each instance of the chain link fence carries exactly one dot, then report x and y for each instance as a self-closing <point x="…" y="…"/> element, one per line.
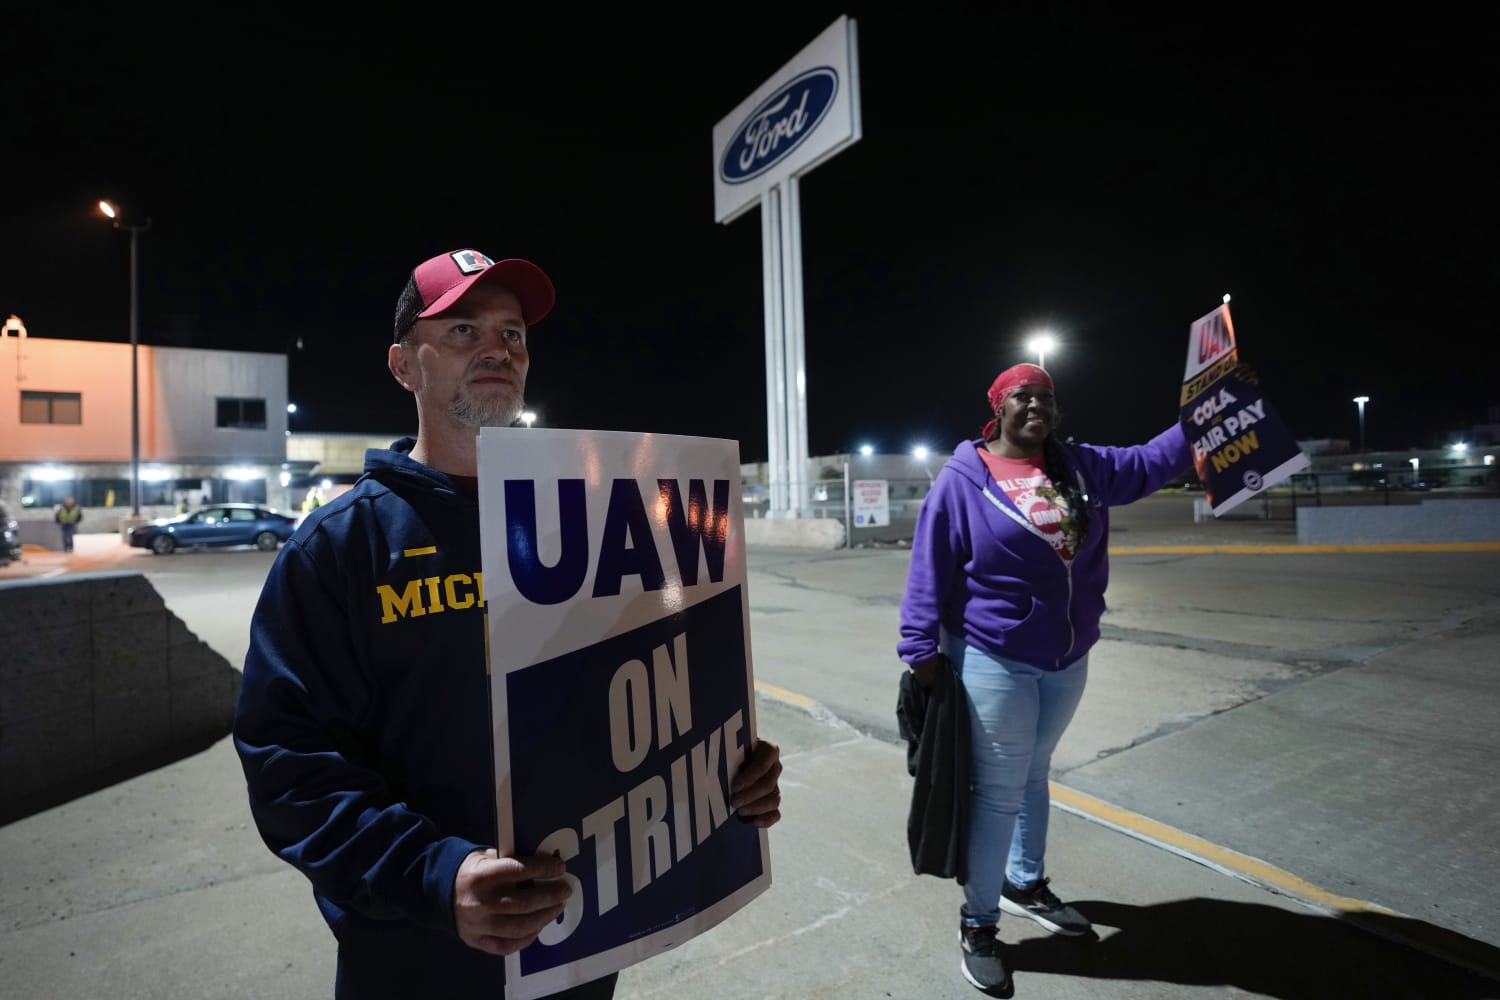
<point x="870" y="525"/>
<point x="828" y="498"/>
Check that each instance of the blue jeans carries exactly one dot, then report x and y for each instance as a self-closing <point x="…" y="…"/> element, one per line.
<point x="1017" y="713"/>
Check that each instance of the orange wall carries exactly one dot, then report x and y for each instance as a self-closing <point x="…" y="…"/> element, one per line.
<point x="101" y="373"/>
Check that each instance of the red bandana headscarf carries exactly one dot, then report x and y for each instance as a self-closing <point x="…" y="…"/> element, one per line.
<point x="1008" y="382"/>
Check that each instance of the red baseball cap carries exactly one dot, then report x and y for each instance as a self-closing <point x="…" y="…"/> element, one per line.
<point x="438" y="282"/>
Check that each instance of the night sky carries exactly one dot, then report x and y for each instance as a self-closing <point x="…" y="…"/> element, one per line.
<point x="1105" y="175"/>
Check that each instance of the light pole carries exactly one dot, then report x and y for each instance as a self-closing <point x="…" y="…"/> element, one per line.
<point x="1041" y="343"/>
<point x="135" y="231"/>
<point x="1360" y="402"/>
<point x="15" y="328"/>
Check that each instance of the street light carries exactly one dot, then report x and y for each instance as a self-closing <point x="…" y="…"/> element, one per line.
<point x="135" y="231"/>
<point x="1041" y="344"/>
<point x="920" y="453"/>
<point x="528" y="418"/>
<point x="1360" y="402"/>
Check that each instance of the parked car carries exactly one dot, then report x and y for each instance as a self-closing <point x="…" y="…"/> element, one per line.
<point x="219" y="525"/>
<point x="10" y="538"/>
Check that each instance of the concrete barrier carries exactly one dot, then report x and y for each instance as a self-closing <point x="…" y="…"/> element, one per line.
<point x="795" y="532"/>
<point x="97" y="677"/>
<point x="1254" y="509"/>
<point x="38" y="528"/>
<point x="1445" y="520"/>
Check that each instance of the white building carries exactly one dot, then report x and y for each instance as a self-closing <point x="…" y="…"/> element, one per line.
<point x="212" y="426"/>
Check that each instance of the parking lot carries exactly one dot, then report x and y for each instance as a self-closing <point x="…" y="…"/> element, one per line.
<point x="1280" y="784"/>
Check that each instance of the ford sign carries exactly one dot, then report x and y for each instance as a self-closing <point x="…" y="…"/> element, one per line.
<point x="779" y="125"/>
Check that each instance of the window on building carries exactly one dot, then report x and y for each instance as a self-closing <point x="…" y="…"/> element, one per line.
<point x="51" y="407"/>
<point x="248" y="414"/>
<point x="89" y="492"/>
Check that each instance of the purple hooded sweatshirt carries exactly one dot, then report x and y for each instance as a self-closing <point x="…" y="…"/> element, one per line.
<point x="980" y="571"/>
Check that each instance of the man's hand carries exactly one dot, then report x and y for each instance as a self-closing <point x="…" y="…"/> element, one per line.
<point x="501" y="904"/>
<point x="755" y="795"/>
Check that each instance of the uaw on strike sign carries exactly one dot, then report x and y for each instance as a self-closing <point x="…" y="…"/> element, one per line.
<point x="622" y="695"/>
<point x="1240" y="446"/>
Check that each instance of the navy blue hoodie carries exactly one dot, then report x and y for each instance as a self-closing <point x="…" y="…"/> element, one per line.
<point x="363" y="724"/>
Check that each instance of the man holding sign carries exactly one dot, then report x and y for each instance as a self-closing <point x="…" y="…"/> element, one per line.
<point x="364" y="725"/>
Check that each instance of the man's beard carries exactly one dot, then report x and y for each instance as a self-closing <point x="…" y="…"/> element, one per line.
<point x="475" y="413"/>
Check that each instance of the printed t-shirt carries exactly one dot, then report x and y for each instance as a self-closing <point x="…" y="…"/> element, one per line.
<point x="1027" y="485"/>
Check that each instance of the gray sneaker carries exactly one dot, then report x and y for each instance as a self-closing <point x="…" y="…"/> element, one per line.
<point x="981" y="961"/>
<point x="1041" y="905"/>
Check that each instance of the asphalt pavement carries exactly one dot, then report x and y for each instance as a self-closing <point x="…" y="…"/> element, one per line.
<point x="1304" y="807"/>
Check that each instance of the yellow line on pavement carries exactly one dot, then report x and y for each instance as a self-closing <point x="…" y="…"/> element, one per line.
<point x="1196" y="848"/>
<point x="1269" y="550"/>
<point x="1447" y="945"/>
<point x="782" y="694"/>
<point x="1223" y="858"/>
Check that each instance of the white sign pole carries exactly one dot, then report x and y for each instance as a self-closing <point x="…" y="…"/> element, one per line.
<point x="848" y="509"/>
<point x="776" y="385"/>
<point x="806" y="113"/>
<point x="799" y="503"/>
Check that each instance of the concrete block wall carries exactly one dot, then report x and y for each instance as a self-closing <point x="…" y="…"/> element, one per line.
<point x="801" y="533"/>
<point x="95" y="675"/>
<point x="1446" y="520"/>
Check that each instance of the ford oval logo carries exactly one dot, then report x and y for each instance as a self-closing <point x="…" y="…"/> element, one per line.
<point x="779" y="125"/>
